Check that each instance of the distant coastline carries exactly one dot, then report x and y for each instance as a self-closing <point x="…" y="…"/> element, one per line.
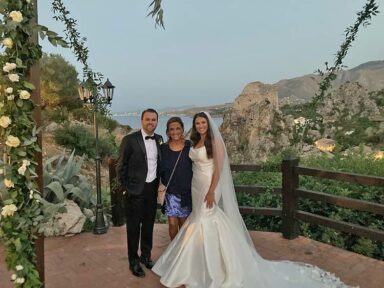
<point x="134" y="122"/>
<point x="214" y="110"/>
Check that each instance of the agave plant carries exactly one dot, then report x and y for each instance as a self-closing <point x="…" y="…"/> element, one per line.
<point x="62" y="180"/>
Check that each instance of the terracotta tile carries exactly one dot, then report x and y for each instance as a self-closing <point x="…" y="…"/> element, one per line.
<point x="89" y="260"/>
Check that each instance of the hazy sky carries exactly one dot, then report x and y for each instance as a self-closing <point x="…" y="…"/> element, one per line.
<point x="211" y="49"/>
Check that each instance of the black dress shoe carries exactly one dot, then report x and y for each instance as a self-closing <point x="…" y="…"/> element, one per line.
<point x="147" y="262"/>
<point x="137" y="270"/>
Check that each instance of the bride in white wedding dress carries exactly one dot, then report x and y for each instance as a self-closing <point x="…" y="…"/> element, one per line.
<point x="213" y="248"/>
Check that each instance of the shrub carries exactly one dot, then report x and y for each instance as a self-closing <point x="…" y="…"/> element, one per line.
<point x="378" y="96"/>
<point x="352" y="163"/>
<point x="108" y="147"/>
<point x="359" y="126"/>
<point x="76" y="138"/>
<point x="108" y="123"/>
<point x="58" y="115"/>
<point x="86" y="115"/>
<point x="82" y="115"/>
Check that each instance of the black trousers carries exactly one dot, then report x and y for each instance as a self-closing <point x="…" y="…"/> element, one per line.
<point x="140" y="214"/>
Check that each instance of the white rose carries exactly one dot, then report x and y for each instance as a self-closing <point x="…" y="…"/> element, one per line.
<point x="8" y="42"/>
<point x="19" y="267"/>
<point x="14" y="77"/>
<point x="5" y="121"/>
<point x="16" y="16"/>
<point x="26" y="162"/>
<point x="22" y="169"/>
<point x="13" y="277"/>
<point x="8" y="183"/>
<point x="8" y="210"/>
<point x="9" y="67"/>
<point x="9" y="90"/>
<point x="12" y="141"/>
<point x="24" y="94"/>
<point x="10" y="97"/>
<point x="20" y="280"/>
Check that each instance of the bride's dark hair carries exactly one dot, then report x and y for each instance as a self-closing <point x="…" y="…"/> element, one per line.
<point x="195" y="136"/>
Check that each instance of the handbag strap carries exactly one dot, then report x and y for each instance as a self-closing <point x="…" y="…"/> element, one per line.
<point x="174" y="168"/>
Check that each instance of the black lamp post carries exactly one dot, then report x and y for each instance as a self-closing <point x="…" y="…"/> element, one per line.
<point x="91" y="95"/>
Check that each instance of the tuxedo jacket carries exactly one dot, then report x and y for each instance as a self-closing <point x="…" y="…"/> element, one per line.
<point x="132" y="164"/>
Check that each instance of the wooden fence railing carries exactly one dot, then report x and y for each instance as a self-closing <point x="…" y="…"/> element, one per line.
<point x="291" y="192"/>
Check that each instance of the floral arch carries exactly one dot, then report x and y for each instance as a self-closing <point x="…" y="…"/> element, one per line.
<point x="21" y="214"/>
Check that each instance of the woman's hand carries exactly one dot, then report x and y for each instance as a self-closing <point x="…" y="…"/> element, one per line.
<point x="210" y="199"/>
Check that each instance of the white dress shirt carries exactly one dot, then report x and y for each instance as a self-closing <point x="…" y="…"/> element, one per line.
<point x="151" y="149"/>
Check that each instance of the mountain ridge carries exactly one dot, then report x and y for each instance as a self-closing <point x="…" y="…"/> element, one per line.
<point x="294" y="90"/>
<point x="303" y="88"/>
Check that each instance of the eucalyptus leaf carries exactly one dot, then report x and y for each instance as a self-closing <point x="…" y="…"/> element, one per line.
<point x="21" y="153"/>
<point x="29" y="85"/>
<point x="62" y="43"/>
<point x="29" y="141"/>
<point x="19" y="103"/>
<point x="21" y="224"/>
<point x="52" y="41"/>
<point x="33" y="172"/>
<point x="8" y="202"/>
<point x="19" y="62"/>
<point x="42" y="35"/>
<point x="51" y="34"/>
<point x="17" y="244"/>
<point x="41" y="28"/>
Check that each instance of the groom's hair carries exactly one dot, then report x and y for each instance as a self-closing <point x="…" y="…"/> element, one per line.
<point x="150" y="110"/>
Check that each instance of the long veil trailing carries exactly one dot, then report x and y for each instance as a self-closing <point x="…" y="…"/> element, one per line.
<point x="268" y="274"/>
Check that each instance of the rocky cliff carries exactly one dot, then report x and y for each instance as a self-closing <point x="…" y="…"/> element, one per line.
<point x="255" y="127"/>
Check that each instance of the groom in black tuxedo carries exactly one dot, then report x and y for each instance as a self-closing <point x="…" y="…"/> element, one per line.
<point x="137" y="174"/>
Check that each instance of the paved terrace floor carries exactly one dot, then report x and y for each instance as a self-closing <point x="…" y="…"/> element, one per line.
<point x="96" y="261"/>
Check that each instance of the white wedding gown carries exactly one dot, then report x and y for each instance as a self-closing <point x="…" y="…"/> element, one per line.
<point x="210" y="251"/>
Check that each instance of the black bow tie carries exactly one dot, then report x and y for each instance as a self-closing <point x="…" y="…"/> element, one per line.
<point x="150" y="137"/>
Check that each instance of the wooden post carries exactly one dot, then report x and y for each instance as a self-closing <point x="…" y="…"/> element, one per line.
<point x="34" y="78"/>
<point x="117" y="198"/>
<point x="290" y="183"/>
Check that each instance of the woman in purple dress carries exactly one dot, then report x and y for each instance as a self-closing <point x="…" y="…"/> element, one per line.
<point x="178" y="201"/>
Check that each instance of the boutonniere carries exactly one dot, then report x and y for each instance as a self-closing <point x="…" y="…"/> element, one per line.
<point x="160" y="141"/>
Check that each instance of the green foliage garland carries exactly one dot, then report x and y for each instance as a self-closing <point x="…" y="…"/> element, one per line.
<point x="21" y="210"/>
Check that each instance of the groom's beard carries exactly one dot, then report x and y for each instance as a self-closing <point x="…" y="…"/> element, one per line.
<point x="149" y="128"/>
